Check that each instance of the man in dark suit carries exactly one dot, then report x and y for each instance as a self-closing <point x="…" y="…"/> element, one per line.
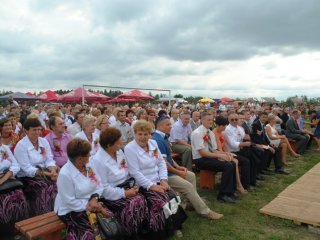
<point x="285" y="117"/>
<point x="267" y="152"/>
<point x="246" y="123"/>
<point x="294" y="132"/>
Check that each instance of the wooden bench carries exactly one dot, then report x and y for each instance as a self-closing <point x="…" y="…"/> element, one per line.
<point x="207" y="179"/>
<point x="47" y="226"/>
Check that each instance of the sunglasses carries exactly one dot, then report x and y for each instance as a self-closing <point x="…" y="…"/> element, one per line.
<point x="233" y="119"/>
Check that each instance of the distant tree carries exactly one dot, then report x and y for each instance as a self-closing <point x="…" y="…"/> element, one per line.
<point x="178" y="96"/>
<point x="156" y="97"/>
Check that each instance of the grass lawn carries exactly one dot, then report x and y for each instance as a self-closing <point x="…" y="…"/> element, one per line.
<point x="243" y="221"/>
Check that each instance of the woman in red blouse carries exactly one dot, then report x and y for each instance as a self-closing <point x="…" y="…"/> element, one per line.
<point x="9" y="138"/>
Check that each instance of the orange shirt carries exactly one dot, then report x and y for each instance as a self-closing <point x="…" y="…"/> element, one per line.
<point x="220" y="137"/>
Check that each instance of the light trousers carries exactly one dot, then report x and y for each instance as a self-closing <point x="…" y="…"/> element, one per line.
<point x="188" y="188"/>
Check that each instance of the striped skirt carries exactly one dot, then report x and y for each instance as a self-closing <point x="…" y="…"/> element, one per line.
<point x="132" y="213"/>
<point x="155" y="201"/>
<point x="78" y="226"/>
<point x="40" y="194"/>
<point x="13" y="208"/>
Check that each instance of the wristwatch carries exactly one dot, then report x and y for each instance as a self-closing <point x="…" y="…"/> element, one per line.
<point x="95" y="195"/>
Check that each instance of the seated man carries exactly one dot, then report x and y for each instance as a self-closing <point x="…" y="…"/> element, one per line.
<point x="294" y="132"/>
<point x="235" y="142"/>
<point x="268" y="152"/>
<point x="124" y="127"/>
<point x="75" y="128"/>
<point x="207" y="157"/>
<point x="58" y="140"/>
<point x="180" y="138"/>
<point x="195" y="120"/>
<point x="179" y="178"/>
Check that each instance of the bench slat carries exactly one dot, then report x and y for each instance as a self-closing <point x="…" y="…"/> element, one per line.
<point x="24" y="229"/>
<point x="49" y="228"/>
<point x="20" y="224"/>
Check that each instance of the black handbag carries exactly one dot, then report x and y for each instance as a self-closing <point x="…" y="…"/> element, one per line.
<point x="175" y="221"/>
<point x="127" y="184"/>
<point x="10" y="185"/>
<point x="109" y="227"/>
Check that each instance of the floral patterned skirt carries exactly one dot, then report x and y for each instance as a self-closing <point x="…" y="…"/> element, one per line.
<point x="13" y="208"/>
<point x="40" y="194"/>
<point x="132" y="213"/>
<point x="78" y="225"/>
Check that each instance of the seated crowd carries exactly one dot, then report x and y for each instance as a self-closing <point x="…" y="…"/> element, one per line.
<point x="74" y="159"/>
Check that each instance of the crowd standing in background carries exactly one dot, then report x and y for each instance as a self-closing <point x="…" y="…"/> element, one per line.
<point x="73" y="158"/>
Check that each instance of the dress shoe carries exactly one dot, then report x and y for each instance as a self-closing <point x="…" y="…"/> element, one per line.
<point x="226" y="199"/>
<point x="264" y="172"/>
<point x="213" y="215"/>
<point x="178" y="234"/>
<point x="282" y="171"/>
<point x="236" y="196"/>
<point x="260" y="178"/>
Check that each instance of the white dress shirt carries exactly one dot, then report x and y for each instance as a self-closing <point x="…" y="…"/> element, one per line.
<point x="28" y="157"/>
<point x="94" y="144"/>
<point x="147" y="168"/>
<point x="180" y="132"/>
<point x="74" y="128"/>
<point x="111" y="172"/>
<point x="8" y="161"/>
<point x="198" y="142"/>
<point x="74" y="189"/>
<point x="112" y="121"/>
<point x="233" y="137"/>
<point x="126" y="131"/>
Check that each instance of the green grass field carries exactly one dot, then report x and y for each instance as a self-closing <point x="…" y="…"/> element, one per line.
<point x="243" y="220"/>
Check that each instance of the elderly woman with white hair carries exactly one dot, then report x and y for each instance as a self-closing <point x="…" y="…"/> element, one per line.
<point x="88" y="133"/>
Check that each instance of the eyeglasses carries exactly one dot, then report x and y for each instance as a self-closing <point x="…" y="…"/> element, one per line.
<point x="233" y="119"/>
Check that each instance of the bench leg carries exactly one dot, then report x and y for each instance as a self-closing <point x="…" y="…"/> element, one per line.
<point x="53" y="236"/>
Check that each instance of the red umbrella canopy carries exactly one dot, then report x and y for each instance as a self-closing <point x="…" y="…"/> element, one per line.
<point x="103" y="98"/>
<point x="76" y="96"/>
<point x="135" y="94"/>
<point x="49" y="96"/>
<point x="226" y="99"/>
<point x="118" y="100"/>
<point x="30" y="94"/>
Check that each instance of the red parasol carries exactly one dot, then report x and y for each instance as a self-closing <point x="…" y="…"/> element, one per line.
<point x="226" y="99"/>
<point x="135" y="94"/>
<point x="49" y="96"/>
<point x="76" y="96"/>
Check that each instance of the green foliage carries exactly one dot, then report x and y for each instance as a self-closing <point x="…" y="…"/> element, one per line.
<point x="178" y="96"/>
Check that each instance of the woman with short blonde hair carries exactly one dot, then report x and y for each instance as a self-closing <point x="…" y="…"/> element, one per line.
<point x="88" y="133"/>
<point x="278" y="140"/>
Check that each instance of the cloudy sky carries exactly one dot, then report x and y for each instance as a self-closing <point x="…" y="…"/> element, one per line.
<point x="211" y="48"/>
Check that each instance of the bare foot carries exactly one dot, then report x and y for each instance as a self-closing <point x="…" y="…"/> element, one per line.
<point x="242" y="190"/>
<point x="297" y="155"/>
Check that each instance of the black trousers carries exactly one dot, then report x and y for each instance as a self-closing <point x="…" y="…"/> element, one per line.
<point x="228" y="169"/>
<point x="244" y="164"/>
<point x="254" y="159"/>
<point x="276" y="159"/>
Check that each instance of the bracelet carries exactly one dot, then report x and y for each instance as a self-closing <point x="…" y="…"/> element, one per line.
<point x="95" y="195"/>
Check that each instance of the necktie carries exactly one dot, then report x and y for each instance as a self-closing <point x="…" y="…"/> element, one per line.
<point x="209" y="142"/>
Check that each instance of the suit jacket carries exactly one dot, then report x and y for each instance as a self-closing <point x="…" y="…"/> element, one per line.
<point x="246" y="128"/>
<point x="292" y="128"/>
<point x="255" y="136"/>
<point x="284" y="117"/>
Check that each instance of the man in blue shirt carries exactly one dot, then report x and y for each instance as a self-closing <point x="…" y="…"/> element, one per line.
<point x="179" y="178"/>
